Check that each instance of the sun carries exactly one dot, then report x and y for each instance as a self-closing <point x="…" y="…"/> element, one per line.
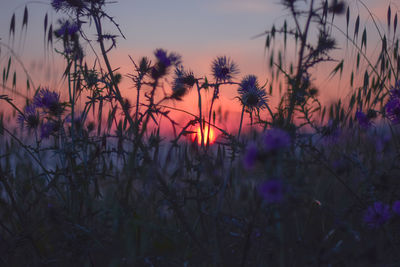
<point x="211" y="134"/>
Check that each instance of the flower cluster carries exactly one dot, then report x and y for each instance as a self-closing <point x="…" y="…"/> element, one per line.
<point x="252" y="96"/>
<point x="392" y="107"/>
<point x="224" y="69"/>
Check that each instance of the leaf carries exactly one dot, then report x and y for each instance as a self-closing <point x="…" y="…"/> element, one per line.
<point x="12" y="26"/>
<point x="337" y="68"/>
<point x="284" y="33"/>
<point x="14" y="83"/>
<point x="395" y="24"/>
<point x="364" y="39"/>
<point x="352" y="79"/>
<point x="50" y="35"/>
<point x="366" y="80"/>
<point x="356" y="27"/>
<point x="389" y="15"/>
<point x="28" y="85"/>
<point x="8" y="68"/>
<point x="347" y="20"/>
<point x="25" y="18"/>
<point x="358" y="60"/>
<point x="46" y="21"/>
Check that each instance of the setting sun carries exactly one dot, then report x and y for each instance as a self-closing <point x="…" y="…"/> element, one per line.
<point x="197" y="135"/>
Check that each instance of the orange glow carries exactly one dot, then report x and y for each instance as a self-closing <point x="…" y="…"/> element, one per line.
<point x="197" y="135"/>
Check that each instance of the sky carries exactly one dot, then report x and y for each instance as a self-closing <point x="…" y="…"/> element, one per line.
<point x="199" y="30"/>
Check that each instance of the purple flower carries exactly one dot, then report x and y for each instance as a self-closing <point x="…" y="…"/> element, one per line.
<point x="48" y="100"/>
<point x="224" y="69"/>
<point x="67" y="4"/>
<point x="30" y="117"/>
<point x="363" y="119"/>
<point x="250" y="156"/>
<point x="272" y="191"/>
<point x="396" y="207"/>
<point x="67" y="28"/>
<point x="47" y="129"/>
<point x="392" y="107"/>
<point x="377" y="215"/>
<point x="251" y="95"/>
<point x="276" y="139"/>
<point x="164" y="61"/>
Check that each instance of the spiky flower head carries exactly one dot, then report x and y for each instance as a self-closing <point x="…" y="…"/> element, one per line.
<point x="224" y="69"/>
<point x="48" y="100"/>
<point x="30" y="117"/>
<point x="252" y="96"/>
<point x="67" y="29"/>
<point x="272" y="190"/>
<point x="377" y="215"/>
<point x="183" y="81"/>
<point x="392" y="107"/>
<point x="164" y="61"/>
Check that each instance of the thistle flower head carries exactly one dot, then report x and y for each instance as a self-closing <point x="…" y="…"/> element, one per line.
<point x="272" y="190"/>
<point x="30" y="117"/>
<point x="251" y="95"/>
<point x="183" y="81"/>
<point x="377" y="215"/>
<point x="224" y="69"/>
<point x="164" y="62"/>
<point x="67" y="29"/>
<point x="66" y="5"/>
<point x="276" y="139"/>
<point x="392" y="107"/>
<point x="48" y="100"/>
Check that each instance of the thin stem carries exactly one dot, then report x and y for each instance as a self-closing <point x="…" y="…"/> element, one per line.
<point x="241" y="122"/>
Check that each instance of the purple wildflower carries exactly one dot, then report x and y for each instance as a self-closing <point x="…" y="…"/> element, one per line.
<point x="47" y="129"/>
<point x="250" y="156"/>
<point x="251" y="95"/>
<point x="67" y="28"/>
<point x="164" y="61"/>
<point x="363" y="120"/>
<point x="67" y="4"/>
<point x="30" y="117"/>
<point x="396" y="207"/>
<point x="272" y="191"/>
<point x="275" y="139"/>
<point x="224" y="69"/>
<point x="377" y="215"/>
<point x="48" y="100"/>
<point x="392" y="107"/>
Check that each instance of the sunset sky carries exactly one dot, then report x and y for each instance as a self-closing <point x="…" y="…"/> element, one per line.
<point x="198" y="30"/>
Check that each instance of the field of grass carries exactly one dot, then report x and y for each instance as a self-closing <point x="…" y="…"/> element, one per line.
<point x="306" y="185"/>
